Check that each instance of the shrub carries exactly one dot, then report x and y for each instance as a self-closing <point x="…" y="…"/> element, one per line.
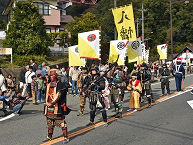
<point x="24" y="60"/>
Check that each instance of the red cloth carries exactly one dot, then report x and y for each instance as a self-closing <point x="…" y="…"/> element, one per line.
<point x="156" y="67"/>
<point x="136" y="83"/>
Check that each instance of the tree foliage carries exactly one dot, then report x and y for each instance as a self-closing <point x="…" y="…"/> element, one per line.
<point x="2" y="24"/>
<point x="27" y="33"/>
<point x="157" y="21"/>
<point x="86" y="22"/>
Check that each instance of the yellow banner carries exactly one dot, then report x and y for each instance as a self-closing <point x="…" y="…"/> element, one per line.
<point x="124" y="21"/>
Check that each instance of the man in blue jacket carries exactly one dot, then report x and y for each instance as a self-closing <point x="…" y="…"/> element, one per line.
<point x="178" y="72"/>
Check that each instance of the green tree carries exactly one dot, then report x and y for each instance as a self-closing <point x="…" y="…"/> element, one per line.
<point x="27" y="33"/>
<point x="157" y="22"/>
<point x="2" y="24"/>
<point x="86" y="22"/>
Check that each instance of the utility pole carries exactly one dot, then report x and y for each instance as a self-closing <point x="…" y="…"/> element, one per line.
<point x="142" y="24"/>
<point x="142" y="11"/>
<point x="115" y="30"/>
<point x="137" y="21"/>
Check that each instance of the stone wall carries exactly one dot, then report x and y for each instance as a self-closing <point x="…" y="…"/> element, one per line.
<point x="15" y="72"/>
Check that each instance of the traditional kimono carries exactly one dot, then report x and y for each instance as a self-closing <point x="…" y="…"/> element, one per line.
<point x="134" y="97"/>
<point x="106" y="93"/>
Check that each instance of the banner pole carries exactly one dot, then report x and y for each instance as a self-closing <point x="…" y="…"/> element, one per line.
<point x="11" y="57"/>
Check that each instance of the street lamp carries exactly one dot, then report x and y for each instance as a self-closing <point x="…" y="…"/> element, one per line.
<point x="171" y="30"/>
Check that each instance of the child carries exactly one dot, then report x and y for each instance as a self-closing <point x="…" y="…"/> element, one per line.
<point x="9" y="81"/>
<point x="106" y="93"/>
<point x="40" y="88"/>
<point x="34" y="88"/>
<point x="15" y="83"/>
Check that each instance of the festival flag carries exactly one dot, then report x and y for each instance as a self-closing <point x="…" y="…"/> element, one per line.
<point x="74" y="58"/>
<point x="118" y="47"/>
<point x="88" y="45"/>
<point x="143" y="51"/>
<point x="147" y="55"/>
<point x="124" y="21"/>
<point x="135" y="51"/>
<point x="162" y="50"/>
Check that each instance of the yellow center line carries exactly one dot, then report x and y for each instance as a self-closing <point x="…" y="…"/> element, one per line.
<point x="109" y="120"/>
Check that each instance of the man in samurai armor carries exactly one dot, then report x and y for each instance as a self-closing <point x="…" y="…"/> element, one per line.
<point x="94" y="88"/>
<point x="164" y="72"/>
<point x="178" y="72"/>
<point x="115" y="93"/>
<point x="83" y="78"/>
<point x="55" y="107"/>
<point x="146" y="85"/>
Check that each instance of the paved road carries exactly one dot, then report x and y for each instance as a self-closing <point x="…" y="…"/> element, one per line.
<point x="168" y="122"/>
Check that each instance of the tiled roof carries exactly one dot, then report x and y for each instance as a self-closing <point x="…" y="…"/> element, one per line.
<point x="65" y="18"/>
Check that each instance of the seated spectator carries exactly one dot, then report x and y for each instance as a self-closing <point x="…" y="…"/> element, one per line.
<point x="2" y="98"/>
<point x="17" y="102"/>
<point x="15" y="87"/>
<point x="9" y="81"/>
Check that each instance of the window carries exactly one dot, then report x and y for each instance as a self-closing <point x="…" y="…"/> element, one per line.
<point x="48" y="30"/>
<point x="61" y="29"/>
<point x="41" y="9"/>
<point x="44" y="9"/>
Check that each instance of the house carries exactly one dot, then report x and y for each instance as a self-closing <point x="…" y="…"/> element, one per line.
<point x="78" y="2"/>
<point x="185" y="54"/>
<point x="55" y="16"/>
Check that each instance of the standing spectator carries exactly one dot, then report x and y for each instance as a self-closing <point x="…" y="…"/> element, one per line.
<point x="34" y="66"/>
<point x="44" y="69"/>
<point x="34" y="89"/>
<point x="70" y="77"/>
<point x="57" y="70"/>
<point x="125" y="68"/>
<point x="17" y="102"/>
<point x="155" y="70"/>
<point x="28" y="80"/>
<point x="39" y="71"/>
<point x="9" y="81"/>
<point x="64" y="78"/>
<point x="22" y="80"/>
<point x="74" y="73"/>
<point x="2" y="82"/>
<point x="40" y="89"/>
<point x="92" y="66"/>
<point x="102" y="69"/>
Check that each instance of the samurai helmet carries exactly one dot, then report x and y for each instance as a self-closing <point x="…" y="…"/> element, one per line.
<point x="53" y="75"/>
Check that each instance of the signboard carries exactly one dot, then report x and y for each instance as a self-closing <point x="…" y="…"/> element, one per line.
<point x="6" y="51"/>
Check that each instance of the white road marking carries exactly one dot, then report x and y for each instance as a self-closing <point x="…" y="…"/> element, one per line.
<point x="176" y="95"/>
<point x="190" y="103"/>
<point x="7" y="117"/>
